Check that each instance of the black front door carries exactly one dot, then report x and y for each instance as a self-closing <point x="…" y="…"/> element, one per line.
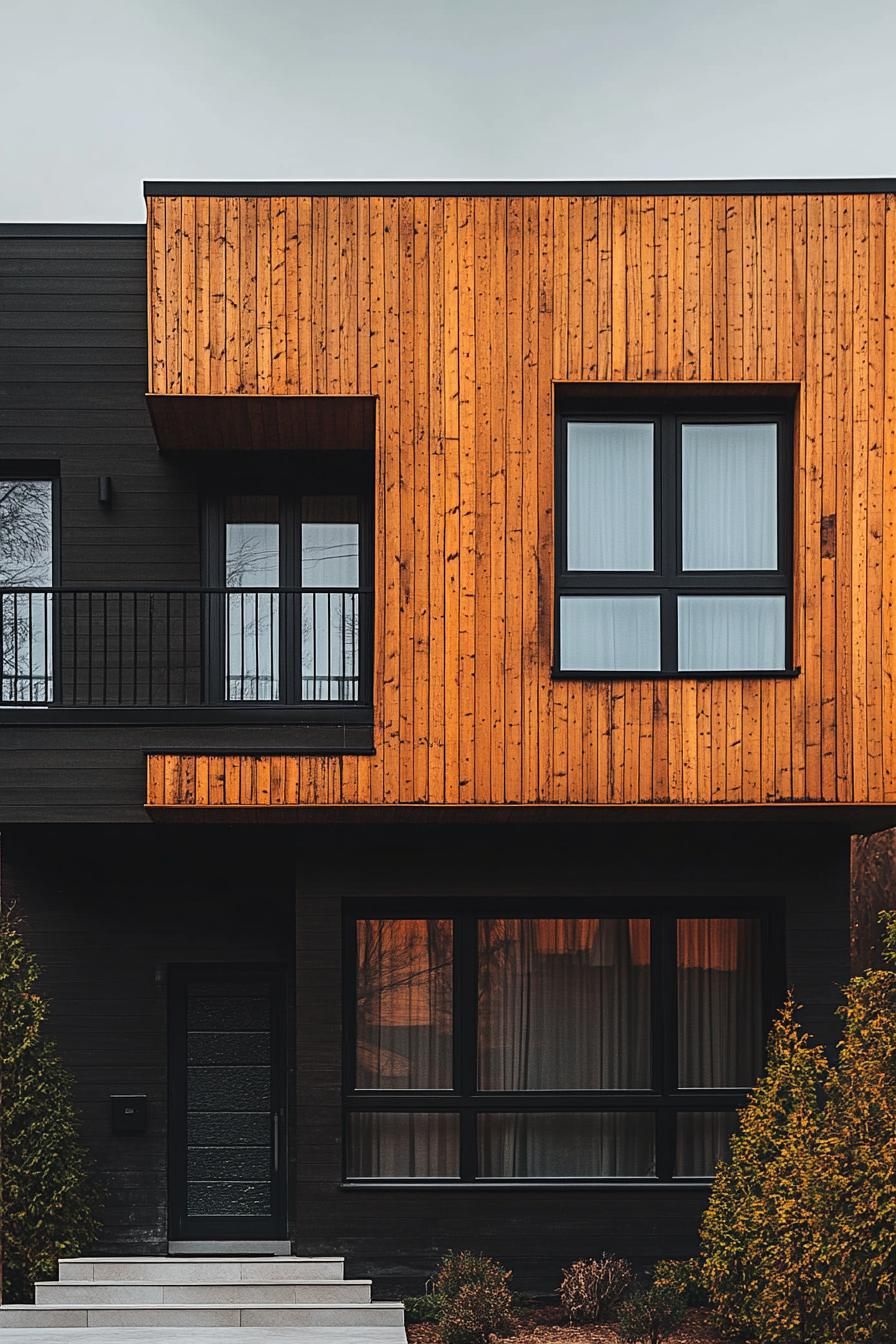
<point x="227" y="1113"/>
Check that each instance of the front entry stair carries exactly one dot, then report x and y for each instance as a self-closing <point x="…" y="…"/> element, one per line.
<point x="214" y="1292"/>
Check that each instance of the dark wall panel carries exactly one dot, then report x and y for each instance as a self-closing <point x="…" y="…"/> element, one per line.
<point x="397" y="1235"/>
<point x="106" y="911"/>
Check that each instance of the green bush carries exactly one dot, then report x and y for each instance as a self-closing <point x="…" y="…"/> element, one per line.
<point x="424" y="1310"/>
<point x="478" y="1311"/>
<point x="590" y="1289"/>
<point x="799" y="1237"/>
<point x="45" y="1199"/>
<point x="651" y="1314"/>
<point x="684" y="1277"/>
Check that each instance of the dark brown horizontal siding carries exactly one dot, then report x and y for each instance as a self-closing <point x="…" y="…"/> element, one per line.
<point x="460" y="313"/>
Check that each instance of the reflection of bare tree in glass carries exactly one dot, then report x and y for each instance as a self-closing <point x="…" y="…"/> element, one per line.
<point x="404" y="978"/>
<point x="252" y="561"/>
<point x="330" y="619"/>
<point x="26" y="540"/>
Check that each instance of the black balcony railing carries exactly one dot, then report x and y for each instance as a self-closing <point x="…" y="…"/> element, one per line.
<point x="179" y="648"/>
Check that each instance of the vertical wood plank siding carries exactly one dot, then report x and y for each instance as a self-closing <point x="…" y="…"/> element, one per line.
<point x="459" y="314"/>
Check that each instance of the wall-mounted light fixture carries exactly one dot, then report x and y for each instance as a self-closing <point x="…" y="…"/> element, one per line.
<point x="105" y="489"/>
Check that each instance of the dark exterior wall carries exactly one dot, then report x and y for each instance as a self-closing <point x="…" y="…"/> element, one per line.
<point x="72" y="392"/>
<point x="397" y="1235"/>
<point x="106" y="911"/>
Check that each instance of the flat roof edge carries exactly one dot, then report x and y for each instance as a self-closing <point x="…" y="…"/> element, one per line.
<point x="72" y="230"/>
<point x="708" y="187"/>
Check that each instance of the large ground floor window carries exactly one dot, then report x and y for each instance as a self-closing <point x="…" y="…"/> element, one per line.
<point x="594" y="1046"/>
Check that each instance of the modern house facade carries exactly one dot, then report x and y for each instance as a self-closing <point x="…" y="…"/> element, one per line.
<point x="447" y="640"/>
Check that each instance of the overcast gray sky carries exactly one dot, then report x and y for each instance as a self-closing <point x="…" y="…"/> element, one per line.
<point x="97" y="95"/>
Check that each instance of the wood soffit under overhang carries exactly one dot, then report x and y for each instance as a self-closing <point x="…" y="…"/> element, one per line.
<point x="251" y="422"/>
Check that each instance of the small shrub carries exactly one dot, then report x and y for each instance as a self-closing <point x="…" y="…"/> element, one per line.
<point x="478" y="1311"/>
<point x="592" y="1288"/>
<point x="424" y="1310"/>
<point x="651" y="1315"/>
<point x="684" y="1277"/>
<point x="462" y="1268"/>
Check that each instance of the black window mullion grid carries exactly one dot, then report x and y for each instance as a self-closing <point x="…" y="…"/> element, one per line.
<point x="670" y="580"/>
<point x="291" y="588"/>
<point x="663" y="1099"/>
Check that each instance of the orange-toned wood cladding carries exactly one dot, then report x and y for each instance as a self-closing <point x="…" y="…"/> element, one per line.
<point x="459" y="315"/>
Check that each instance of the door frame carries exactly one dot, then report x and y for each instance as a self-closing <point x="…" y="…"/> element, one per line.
<point x="272" y="1228"/>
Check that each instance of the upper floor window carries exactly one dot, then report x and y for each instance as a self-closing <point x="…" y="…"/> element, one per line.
<point x="290" y="622"/>
<point x="673" y="532"/>
<point x="26" y="578"/>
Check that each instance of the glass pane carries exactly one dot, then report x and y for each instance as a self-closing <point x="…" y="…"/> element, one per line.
<point x="330" y="541"/>
<point x="404" y="1012"/>
<point x="252" y="562"/>
<point x="330" y="634"/>
<point x="252" y="541"/>
<point x="26" y="534"/>
<point x="719" y="1002"/>
<point x="609" y="497"/>
<point x="566" y="1144"/>
<point x="610" y="634"/>
<point x="729" y="496"/>
<point x="26" y="619"/>
<point x="564" y="1003"/>
<point x="399" y="1145"/>
<point x="731" y="634"/>
<point x="702" y="1138"/>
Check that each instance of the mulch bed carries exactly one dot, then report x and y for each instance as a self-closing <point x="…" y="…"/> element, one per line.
<point x="544" y="1325"/>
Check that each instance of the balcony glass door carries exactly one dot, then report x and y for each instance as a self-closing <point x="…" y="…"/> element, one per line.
<point x="286" y="601"/>
<point x="252" y="565"/>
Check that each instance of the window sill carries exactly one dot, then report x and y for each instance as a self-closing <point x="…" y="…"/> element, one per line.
<point x="532" y="1183"/>
<point x="780" y="674"/>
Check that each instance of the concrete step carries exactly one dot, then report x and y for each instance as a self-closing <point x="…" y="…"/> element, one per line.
<point x="71" y="1292"/>
<point x="205" y="1268"/>
<point x="95" y="1293"/>
<point x="297" y="1316"/>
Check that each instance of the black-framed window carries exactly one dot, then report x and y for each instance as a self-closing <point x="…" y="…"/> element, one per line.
<point x="29" y="506"/>
<point x="588" y="1047"/>
<point x="673" y="541"/>
<point x="289" y="571"/>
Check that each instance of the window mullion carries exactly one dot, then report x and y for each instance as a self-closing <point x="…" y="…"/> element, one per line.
<point x="465" y="1038"/>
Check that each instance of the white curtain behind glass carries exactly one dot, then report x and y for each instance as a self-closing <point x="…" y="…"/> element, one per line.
<point x="567" y="1144"/>
<point x="564" y="1003"/>
<point x="730" y="634"/>
<point x="729" y="497"/>
<point x="719" y="1002"/>
<point x="610" y="634"/>
<point x="702" y="1138"/>
<point x="400" y="1145"/>
<point x="609" y="496"/>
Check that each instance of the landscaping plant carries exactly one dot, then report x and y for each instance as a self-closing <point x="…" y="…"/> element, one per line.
<point x="591" y="1289"/>
<point x="45" y="1202"/>
<point x="475" y="1298"/>
<point x="799" y="1237"/>
<point x="650" y="1315"/>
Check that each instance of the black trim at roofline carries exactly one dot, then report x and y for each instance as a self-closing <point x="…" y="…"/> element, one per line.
<point x="796" y="186"/>
<point x="72" y="230"/>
